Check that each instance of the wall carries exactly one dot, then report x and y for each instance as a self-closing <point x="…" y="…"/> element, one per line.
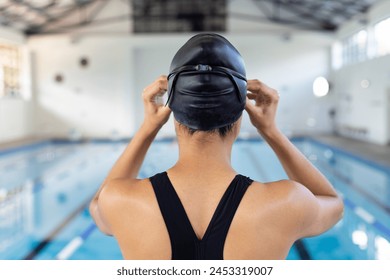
<point x="16" y="114"/>
<point x="94" y="101"/>
<point x="104" y="100"/>
<point x="9" y="35"/>
<point x="388" y="114"/>
<point x="364" y="113"/>
<point x="290" y="65"/>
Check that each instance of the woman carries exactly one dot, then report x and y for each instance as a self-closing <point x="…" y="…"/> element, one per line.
<point x="201" y="208"/>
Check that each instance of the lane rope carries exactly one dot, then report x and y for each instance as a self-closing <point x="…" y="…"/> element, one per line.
<point x="75" y="243"/>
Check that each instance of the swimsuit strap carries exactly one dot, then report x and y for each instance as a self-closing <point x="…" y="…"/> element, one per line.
<point x="185" y="244"/>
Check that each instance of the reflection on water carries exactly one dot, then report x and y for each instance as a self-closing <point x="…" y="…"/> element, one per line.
<point x="360" y="238"/>
<point x="382" y="247"/>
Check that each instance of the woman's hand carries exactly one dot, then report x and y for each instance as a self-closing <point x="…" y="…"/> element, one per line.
<point x="262" y="113"/>
<point x="156" y="115"/>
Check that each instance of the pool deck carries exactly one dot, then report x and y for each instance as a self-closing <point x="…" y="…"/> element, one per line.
<point x="374" y="152"/>
<point x="21" y="142"/>
<point x="370" y="151"/>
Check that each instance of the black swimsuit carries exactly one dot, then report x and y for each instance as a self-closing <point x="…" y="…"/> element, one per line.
<point x="184" y="242"/>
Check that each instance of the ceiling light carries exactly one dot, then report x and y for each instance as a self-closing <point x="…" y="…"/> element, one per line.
<point x="320" y="87"/>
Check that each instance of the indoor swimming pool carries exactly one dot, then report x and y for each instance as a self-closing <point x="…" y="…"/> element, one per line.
<point x="45" y="190"/>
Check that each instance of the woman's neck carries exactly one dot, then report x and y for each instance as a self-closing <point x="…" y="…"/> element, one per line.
<point x="204" y="154"/>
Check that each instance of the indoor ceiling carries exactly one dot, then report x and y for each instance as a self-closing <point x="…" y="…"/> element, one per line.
<point x="157" y="16"/>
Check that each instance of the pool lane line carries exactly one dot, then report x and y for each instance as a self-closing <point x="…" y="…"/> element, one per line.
<point x="41" y="245"/>
<point x="302" y="250"/>
<point x="367" y="217"/>
<point x="38" y="178"/>
<point x="75" y="243"/>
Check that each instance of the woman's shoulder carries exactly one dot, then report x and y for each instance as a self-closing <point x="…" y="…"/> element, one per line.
<point x="281" y="188"/>
<point x="124" y="191"/>
<point x="127" y="199"/>
<point x="283" y="195"/>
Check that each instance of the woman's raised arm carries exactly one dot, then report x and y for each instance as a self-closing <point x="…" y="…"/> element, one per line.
<point x="129" y="163"/>
<point x="321" y="207"/>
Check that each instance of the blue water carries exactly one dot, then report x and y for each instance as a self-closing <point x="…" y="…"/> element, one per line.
<point x="45" y="190"/>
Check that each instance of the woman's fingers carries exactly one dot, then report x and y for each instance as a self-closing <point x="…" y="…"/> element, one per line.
<point x="255" y="86"/>
<point x="262" y="93"/>
<point x="158" y="87"/>
<point x="262" y="111"/>
<point x="249" y="106"/>
<point x="156" y="114"/>
<point x="251" y="95"/>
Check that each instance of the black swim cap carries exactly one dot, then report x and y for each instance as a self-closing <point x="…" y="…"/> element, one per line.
<point x="207" y="84"/>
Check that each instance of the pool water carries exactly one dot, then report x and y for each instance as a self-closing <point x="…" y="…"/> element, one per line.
<point x="45" y="190"/>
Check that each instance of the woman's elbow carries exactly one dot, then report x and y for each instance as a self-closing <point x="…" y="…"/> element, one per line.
<point x="331" y="212"/>
<point x="93" y="207"/>
<point x="339" y="208"/>
<point x="96" y="216"/>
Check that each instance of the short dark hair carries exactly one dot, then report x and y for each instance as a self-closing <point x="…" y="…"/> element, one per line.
<point x="222" y="131"/>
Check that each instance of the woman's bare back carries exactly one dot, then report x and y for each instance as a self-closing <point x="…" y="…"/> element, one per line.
<point x="262" y="227"/>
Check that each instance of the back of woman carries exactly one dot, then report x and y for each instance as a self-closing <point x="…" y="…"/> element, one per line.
<point x="263" y="226"/>
<point x="201" y="208"/>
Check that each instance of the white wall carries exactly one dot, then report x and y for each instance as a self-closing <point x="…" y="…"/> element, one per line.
<point x="290" y="66"/>
<point x="90" y="102"/>
<point x="8" y="35"/>
<point x="388" y="114"/>
<point x="152" y="58"/>
<point x="16" y="114"/>
<point x="15" y="119"/>
<point x="363" y="113"/>
<point x="106" y="96"/>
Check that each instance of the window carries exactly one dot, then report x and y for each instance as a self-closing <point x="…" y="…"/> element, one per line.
<point x="337" y="55"/>
<point x="361" y="45"/>
<point x="354" y="48"/>
<point x="370" y="42"/>
<point x="10" y="72"/>
<point x="382" y="39"/>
